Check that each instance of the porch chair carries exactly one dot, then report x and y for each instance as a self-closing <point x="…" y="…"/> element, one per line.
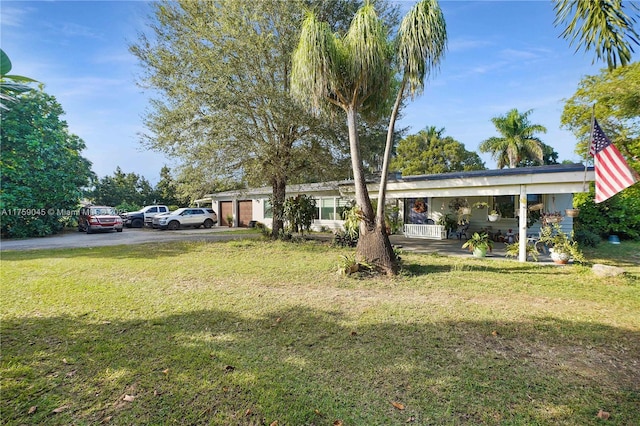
<point x="462" y="230"/>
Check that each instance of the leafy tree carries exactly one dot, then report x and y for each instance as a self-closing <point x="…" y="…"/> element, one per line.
<point x="430" y="152"/>
<point x="167" y="189"/>
<point x="618" y="215"/>
<point x="516" y="141"/>
<point x="353" y="73"/>
<point x="11" y="85"/>
<point x="299" y="212"/>
<point x="221" y="70"/>
<point x="126" y="191"/>
<point x="614" y="98"/>
<point x="549" y="156"/>
<point x="43" y="173"/>
<point x="602" y="25"/>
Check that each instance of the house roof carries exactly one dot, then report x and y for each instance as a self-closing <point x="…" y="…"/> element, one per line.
<point x="558" y="178"/>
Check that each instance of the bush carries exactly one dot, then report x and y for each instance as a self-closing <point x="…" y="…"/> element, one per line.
<point x="586" y="238"/>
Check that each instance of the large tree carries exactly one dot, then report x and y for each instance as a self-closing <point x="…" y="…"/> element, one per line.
<point x="517" y="140"/>
<point x="601" y="25"/>
<point x="354" y="73"/>
<point x="222" y="70"/>
<point x="42" y="172"/>
<point x="430" y="152"/>
<point x="127" y="191"/>
<point x="614" y="97"/>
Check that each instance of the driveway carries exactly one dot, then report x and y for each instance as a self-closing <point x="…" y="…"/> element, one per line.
<point x="73" y="239"/>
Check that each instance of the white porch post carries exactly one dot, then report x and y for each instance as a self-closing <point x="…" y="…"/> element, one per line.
<point x="522" y="253"/>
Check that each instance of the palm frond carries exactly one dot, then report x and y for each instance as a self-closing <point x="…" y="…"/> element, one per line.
<point x="421" y="42"/>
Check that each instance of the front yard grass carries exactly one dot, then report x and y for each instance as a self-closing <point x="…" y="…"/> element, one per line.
<point x="254" y="332"/>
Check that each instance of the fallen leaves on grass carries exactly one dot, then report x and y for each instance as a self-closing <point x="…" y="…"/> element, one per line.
<point x="60" y="409"/>
<point x="398" y="405"/>
<point x="129" y="398"/>
<point x="338" y="423"/>
<point x="604" y="415"/>
<point x="33" y="409"/>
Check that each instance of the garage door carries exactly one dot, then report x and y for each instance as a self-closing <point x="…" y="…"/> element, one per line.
<point x="245" y="213"/>
<point x="226" y="209"/>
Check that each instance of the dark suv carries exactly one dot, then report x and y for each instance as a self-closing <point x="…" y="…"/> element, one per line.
<point x="98" y="218"/>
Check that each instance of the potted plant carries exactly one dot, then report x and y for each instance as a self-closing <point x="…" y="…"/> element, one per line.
<point x="572" y="212"/>
<point x="549" y="218"/>
<point x="562" y="246"/>
<point x="229" y="220"/>
<point x="479" y="244"/>
<point x="481" y="205"/>
<point x="493" y="216"/>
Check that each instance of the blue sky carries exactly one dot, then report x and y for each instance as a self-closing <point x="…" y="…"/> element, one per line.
<point x="501" y="55"/>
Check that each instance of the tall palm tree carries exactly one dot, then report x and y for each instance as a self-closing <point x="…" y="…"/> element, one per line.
<point x="355" y="74"/>
<point x="517" y="140"/>
<point x="602" y="25"/>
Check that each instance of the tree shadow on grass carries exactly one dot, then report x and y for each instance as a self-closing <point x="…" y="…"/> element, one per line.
<point x="306" y="366"/>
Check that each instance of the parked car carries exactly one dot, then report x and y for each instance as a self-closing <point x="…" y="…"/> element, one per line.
<point x="186" y="217"/>
<point x="144" y="216"/>
<point x="99" y="218"/>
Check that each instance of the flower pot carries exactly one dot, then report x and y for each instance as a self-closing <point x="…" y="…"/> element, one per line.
<point x="553" y="219"/>
<point x="480" y="252"/>
<point x="572" y="212"/>
<point x="493" y="217"/>
<point x="560" y="258"/>
<point x="535" y="207"/>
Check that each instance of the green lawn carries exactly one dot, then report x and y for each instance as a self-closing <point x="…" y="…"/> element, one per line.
<point x="253" y="332"/>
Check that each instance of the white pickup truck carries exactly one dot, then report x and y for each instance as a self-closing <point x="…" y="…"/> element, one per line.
<point x="144" y="216"/>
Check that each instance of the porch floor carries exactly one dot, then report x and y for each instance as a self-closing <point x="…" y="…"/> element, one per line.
<point x="453" y="247"/>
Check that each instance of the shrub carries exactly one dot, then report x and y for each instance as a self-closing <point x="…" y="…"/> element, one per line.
<point x="586" y="238"/>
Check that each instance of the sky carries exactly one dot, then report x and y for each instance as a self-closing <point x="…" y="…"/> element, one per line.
<point x="501" y="55"/>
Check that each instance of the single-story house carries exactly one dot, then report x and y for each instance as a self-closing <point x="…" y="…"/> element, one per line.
<point x="422" y="201"/>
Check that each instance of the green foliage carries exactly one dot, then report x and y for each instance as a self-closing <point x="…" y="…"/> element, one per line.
<point x="616" y="96"/>
<point x="430" y="152"/>
<point x="603" y="26"/>
<point x="560" y="242"/>
<point x="513" y="250"/>
<point x="123" y="188"/>
<point x="618" y="215"/>
<point x="11" y="85"/>
<point x="221" y="71"/>
<point x="517" y="140"/>
<point x="299" y="212"/>
<point x="43" y="173"/>
<point x="479" y="241"/>
<point x="449" y="221"/>
<point x="587" y="238"/>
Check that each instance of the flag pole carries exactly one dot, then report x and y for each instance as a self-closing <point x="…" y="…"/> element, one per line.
<point x="586" y="159"/>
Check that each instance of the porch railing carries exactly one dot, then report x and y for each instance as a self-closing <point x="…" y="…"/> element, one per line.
<point x="434" y="232"/>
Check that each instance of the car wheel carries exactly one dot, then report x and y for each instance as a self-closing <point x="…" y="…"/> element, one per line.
<point x="119" y="230"/>
<point x="89" y="230"/>
<point x="173" y="225"/>
<point x="208" y="223"/>
<point x="137" y="223"/>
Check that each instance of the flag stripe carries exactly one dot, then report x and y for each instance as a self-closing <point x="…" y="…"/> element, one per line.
<point x="613" y="174"/>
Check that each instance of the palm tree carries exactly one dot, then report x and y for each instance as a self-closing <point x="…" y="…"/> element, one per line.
<point x="11" y="85"/>
<point x="355" y="74"/>
<point x="517" y="140"/>
<point x="599" y="24"/>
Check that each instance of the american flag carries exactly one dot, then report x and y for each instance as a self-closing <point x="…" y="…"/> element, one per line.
<point x="613" y="174"/>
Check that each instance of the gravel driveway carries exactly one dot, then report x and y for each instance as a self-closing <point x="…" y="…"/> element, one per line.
<point x="73" y="239"/>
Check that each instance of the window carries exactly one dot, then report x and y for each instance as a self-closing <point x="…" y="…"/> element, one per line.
<point x="268" y="209"/>
<point x="343" y="204"/>
<point x="327" y="208"/>
<point x="416" y="210"/>
<point x="505" y="205"/>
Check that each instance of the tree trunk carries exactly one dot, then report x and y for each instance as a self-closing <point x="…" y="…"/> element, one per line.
<point x="279" y="185"/>
<point x="374" y="246"/>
